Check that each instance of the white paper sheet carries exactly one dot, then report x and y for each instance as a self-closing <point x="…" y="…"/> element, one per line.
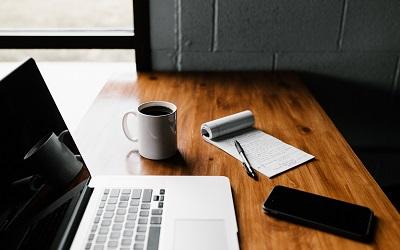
<point x="266" y="154"/>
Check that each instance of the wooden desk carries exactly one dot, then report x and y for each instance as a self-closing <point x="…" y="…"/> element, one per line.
<point x="283" y="107"/>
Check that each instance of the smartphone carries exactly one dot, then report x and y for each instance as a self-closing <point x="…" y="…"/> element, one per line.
<point x="323" y="213"/>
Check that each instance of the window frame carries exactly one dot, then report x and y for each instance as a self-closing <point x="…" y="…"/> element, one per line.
<point x="137" y="38"/>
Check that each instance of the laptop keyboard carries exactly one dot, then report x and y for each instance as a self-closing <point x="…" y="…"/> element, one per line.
<point x="127" y="219"/>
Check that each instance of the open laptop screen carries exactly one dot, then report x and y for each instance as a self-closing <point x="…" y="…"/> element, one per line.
<point x="28" y="113"/>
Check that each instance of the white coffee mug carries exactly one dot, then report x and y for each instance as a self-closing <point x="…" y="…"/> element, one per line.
<point x="156" y="134"/>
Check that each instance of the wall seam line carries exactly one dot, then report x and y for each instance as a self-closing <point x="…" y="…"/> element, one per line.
<point x="396" y="77"/>
<point x="274" y="61"/>
<point x="179" y="35"/>
<point x="342" y="25"/>
<point x="214" y="33"/>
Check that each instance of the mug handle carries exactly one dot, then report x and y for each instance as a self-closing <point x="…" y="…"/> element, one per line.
<point x="61" y="139"/>
<point x="125" y="126"/>
<point x="62" y="135"/>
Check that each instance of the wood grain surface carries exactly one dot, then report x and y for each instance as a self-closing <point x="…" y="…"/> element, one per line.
<point x="283" y="107"/>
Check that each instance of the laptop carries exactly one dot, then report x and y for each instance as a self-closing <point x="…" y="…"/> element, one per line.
<point x="101" y="212"/>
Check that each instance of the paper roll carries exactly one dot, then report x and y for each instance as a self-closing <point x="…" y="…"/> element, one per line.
<point x="227" y="124"/>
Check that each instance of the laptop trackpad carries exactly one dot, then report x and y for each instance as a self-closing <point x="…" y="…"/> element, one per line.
<point x="200" y="235"/>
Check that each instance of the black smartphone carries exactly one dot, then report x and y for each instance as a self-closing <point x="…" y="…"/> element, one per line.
<point x="330" y="215"/>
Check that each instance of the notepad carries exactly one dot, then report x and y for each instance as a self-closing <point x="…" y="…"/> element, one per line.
<point x="266" y="154"/>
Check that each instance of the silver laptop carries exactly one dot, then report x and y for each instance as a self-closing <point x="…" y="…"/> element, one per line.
<point x="103" y="212"/>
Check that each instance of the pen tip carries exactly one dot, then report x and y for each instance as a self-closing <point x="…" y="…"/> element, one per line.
<point x="252" y="175"/>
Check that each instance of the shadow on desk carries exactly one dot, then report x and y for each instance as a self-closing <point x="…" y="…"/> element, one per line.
<point x="367" y="116"/>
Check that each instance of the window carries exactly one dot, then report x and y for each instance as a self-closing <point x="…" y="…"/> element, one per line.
<point x="66" y="14"/>
<point x="105" y="26"/>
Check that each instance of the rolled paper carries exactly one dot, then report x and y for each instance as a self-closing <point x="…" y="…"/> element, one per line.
<point x="227" y="124"/>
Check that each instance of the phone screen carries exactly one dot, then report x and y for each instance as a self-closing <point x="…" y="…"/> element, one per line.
<point x="319" y="211"/>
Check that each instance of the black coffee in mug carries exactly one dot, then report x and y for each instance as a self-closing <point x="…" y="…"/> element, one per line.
<point x="156" y="111"/>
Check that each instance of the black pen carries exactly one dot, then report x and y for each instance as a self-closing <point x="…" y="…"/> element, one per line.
<point x="245" y="162"/>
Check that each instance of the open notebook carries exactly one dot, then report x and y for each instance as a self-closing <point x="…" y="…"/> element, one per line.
<point x="266" y="154"/>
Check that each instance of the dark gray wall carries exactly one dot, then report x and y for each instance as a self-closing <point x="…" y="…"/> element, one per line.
<point x="354" y="40"/>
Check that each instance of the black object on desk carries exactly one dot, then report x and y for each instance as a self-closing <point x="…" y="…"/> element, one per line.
<point x="327" y="214"/>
